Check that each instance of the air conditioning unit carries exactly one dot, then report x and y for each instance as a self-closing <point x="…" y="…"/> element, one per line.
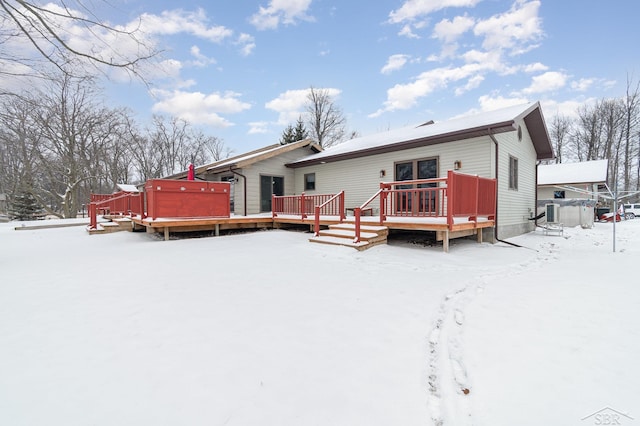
<point x="552" y="211"/>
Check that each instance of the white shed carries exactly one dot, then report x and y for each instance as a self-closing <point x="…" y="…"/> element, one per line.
<point x="573" y="187"/>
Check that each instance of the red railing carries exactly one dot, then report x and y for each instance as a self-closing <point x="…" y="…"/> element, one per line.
<point x="457" y="195"/>
<point x="304" y="205"/>
<point x="334" y="206"/>
<point x="120" y="203"/>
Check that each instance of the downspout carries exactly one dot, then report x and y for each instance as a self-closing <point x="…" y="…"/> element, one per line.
<point x="244" y="187"/>
<point x="495" y="228"/>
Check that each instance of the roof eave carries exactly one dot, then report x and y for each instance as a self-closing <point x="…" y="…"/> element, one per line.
<point x="505" y="126"/>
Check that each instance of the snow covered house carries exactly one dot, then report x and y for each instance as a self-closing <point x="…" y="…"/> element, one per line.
<point x="573" y="188"/>
<point x="472" y="175"/>
<point x="505" y="145"/>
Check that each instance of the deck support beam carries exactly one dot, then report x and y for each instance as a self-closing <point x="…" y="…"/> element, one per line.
<point x="445" y="241"/>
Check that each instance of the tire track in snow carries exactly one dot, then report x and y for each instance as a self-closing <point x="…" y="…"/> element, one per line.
<point x="448" y="382"/>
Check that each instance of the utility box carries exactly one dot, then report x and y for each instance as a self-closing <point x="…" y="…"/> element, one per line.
<point x="187" y="198"/>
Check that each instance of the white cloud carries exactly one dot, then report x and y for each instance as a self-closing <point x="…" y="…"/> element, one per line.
<point x="583" y="84"/>
<point x="291" y="104"/>
<point x="199" y="108"/>
<point x="568" y="108"/>
<point x="413" y="9"/>
<point x="517" y="30"/>
<point x="489" y="103"/>
<point x="547" y="82"/>
<point x="258" y="127"/>
<point x="201" y="60"/>
<point x="472" y="83"/>
<point x="179" y="21"/>
<point x="448" y="31"/>
<point x="287" y="12"/>
<point x="247" y="44"/>
<point x="537" y="67"/>
<point x="405" y="96"/>
<point x="394" y="63"/>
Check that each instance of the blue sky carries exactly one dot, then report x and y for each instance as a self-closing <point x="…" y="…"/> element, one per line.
<point x="240" y="70"/>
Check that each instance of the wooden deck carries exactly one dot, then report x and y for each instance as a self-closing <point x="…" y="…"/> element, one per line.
<point x="166" y="226"/>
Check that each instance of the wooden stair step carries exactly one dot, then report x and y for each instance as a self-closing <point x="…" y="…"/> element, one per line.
<point x="363" y="228"/>
<point x="347" y="233"/>
<point x="338" y="241"/>
<point x="343" y="234"/>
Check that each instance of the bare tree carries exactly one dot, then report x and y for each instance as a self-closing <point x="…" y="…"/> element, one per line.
<point x="326" y="120"/>
<point x="172" y="144"/>
<point x="631" y="112"/>
<point x="75" y="138"/>
<point x="58" y="33"/>
<point x="560" y="131"/>
<point x="214" y="149"/>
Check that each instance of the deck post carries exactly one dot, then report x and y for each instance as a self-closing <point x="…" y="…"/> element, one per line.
<point x="316" y="221"/>
<point x="356" y="213"/>
<point x="479" y="231"/>
<point x="217" y="231"/>
<point x="93" y="221"/>
<point x="166" y="233"/>
<point x="445" y="241"/>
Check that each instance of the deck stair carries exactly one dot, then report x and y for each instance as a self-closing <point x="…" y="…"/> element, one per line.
<point x="115" y="224"/>
<point x="343" y="234"/>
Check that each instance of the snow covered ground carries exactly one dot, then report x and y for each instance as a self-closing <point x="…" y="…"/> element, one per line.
<point x="268" y="329"/>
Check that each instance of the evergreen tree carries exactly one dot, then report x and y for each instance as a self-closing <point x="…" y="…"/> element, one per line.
<point x="294" y="134"/>
<point x="24" y="206"/>
<point x="300" y="131"/>
<point x="288" y="135"/>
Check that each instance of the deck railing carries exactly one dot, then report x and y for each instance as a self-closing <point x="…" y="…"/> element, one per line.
<point x="119" y="203"/>
<point x="304" y="205"/>
<point x="334" y="206"/>
<point x="456" y="195"/>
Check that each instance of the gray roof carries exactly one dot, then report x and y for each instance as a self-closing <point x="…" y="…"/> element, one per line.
<point x="482" y="124"/>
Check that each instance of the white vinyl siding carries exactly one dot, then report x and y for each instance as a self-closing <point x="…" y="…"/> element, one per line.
<point x="274" y="166"/>
<point x="360" y="177"/>
<point x="515" y="207"/>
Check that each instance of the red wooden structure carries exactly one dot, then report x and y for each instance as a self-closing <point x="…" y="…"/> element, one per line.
<point x="306" y="205"/>
<point x="460" y="199"/>
<point x="165" y="198"/>
<point x="190" y="198"/>
<point x="121" y="203"/>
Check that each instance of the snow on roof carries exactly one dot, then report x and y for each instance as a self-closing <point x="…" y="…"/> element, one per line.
<point x="247" y="156"/>
<point x="127" y="188"/>
<point x="563" y="173"/>
<point x="259" y="154"/>
<point x="426" y="130"/>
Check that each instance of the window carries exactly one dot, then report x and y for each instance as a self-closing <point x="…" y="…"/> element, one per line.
<point x="558" y="194"/>
<point x="513" y="173"/>
<point x="310" y="182"/>
<point x="424" y="202"/>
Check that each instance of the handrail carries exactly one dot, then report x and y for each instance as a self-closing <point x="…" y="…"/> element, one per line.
<point x="93" y="205"/>
<point x="358" y="210"/>
<point x="453" y="196"/>
<point x="316" y="222"/>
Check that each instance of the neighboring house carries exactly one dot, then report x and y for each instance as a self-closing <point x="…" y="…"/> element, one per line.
<point x="573" y="187"/>
<point x="257" y="175"/>
<point x="505" y="144"/>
